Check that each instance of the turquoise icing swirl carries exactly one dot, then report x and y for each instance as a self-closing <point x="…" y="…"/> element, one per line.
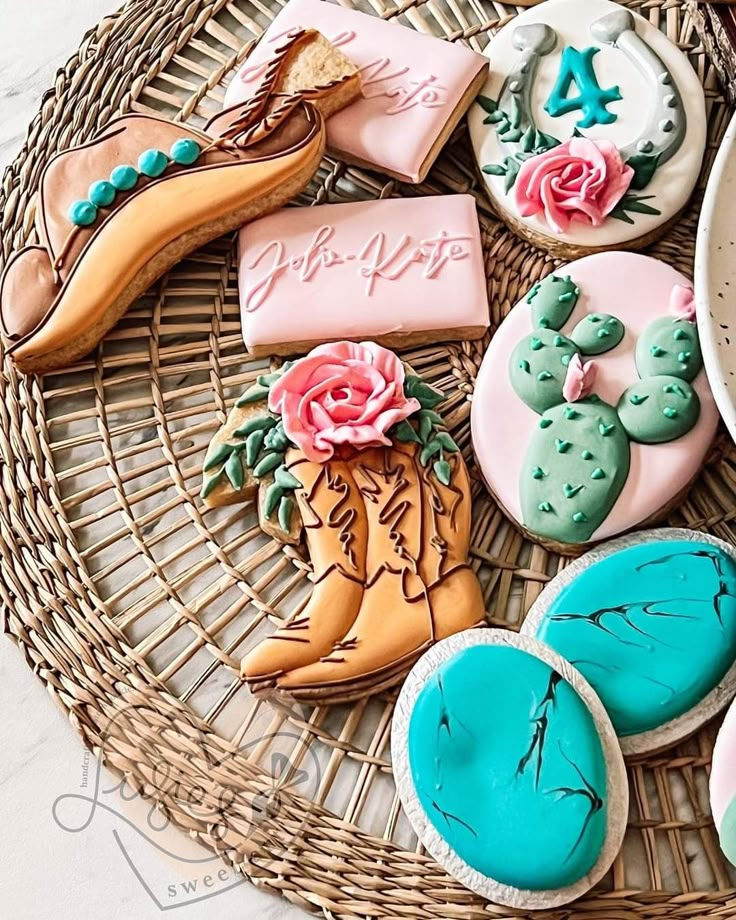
<point x="508" y="766"/>
<point x="652" y="628"/>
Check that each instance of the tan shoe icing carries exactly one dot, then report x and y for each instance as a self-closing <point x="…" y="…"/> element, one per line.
<point x="58" y="299"/>
<point x="336" y="528"/>
<point x="419" y="588"/>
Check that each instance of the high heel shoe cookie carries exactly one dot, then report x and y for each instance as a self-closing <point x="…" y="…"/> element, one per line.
<point x="347" y="446"/>
<point x="116" y="213"/>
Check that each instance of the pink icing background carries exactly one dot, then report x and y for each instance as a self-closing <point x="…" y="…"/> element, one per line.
<point x="723" y="775"/>
<point x="636" y="289"/>
<point x="399" y="142"/>
<point x="334" y="302"/>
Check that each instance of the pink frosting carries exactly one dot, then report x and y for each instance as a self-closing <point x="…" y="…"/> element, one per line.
<point x="580" y="180"/>
<point x="579" y="380"/>
<point x="413" y="84"/>
<point x="342" y="393"/>
<point x="682" y="302"/>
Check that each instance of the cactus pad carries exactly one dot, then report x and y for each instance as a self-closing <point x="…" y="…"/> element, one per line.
<point x="597" y="333"/>
<point x="552" y="300"/>
<point x="567" y="495"/>
<point x="538" y="367"/>
<point x="659" y="409"/>
<point x="671" y="347"/>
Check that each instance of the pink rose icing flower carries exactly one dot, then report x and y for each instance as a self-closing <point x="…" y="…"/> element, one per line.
<point x="341" y="393"/>
<point x="682" y="302"/>
<point x="580" y="180"/>
<point x="579" y="380"/>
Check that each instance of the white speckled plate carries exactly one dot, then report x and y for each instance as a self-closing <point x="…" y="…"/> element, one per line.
<point x="715" y="279"/>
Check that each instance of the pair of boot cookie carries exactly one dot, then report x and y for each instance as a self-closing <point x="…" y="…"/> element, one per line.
<point x="389" y="544"/>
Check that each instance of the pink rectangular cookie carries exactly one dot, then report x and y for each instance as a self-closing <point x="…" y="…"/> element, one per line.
<point x="397" y="271"/>
<point x="415" y="87"/>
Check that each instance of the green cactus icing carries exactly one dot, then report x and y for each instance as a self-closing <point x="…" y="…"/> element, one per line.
<point x="574" y="497"/>
<point x="552" y="301"/>
<point x="671" y="347"/>
<point x="538" y="367"/>
<point x="597" y="333"/>
<point x="659" y="409"/>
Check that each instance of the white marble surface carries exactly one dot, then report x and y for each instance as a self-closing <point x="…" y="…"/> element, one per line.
<point x="62" y="857"/>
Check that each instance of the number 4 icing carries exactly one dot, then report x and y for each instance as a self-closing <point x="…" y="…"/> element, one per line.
<point x="577" y="67"/>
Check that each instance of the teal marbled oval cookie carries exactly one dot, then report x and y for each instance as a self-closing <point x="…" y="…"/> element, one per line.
<point x="652" y="627"/>
<point x="538" y="367"/>
<point x="508" y="766"/>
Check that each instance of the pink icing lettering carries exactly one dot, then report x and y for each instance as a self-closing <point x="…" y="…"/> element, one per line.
<point x="375" y="259"/>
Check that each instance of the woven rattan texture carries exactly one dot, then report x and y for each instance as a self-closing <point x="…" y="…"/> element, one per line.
<point x="135" y="606"/>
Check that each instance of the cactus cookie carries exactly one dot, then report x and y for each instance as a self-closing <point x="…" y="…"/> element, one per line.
<point x="591" y="412"/>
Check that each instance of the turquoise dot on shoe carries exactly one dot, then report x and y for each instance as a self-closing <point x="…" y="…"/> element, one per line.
<point x="102" y="193"/>
<point x="184" y="151"/>
<point x="82" y="213"/>
<point x="124" y="178"/>
<point x="152" y="163"/>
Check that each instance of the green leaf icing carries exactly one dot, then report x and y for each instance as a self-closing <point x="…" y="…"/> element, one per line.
<point x="256" y="423"/>
<point x="267" y="464"/>
<point x="542" y="353"/>
<point x="670" y="347"/>
<point x="574" y="518"/>
<point x="217" y="454"/>
<point x="234" y="471"/>
<point x="405" y="433"/>
<point x="443" y="472"/>
<point x="274" y="494"/>
<point x="285" y="479"/>
<point x="426" y="395"/>
<point x="659" y="409"/>
<point x="644" y="167"/>
<point x="286" y="506"/>
<point x="251" y="395"/>
<point x="597" y="333"/>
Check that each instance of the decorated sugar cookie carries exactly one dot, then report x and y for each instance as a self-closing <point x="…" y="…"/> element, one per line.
<point x="590" y="131"/>
<point x="401" y="271"/>
<point x="650" y="621"/>
<point x="508" y="769"/>
<point x="416" y="87"/>
<point x="347" y="448"/>
<point x="723" y="785"/>
<point x="116" y="213"/>
<point x="591" y="411"/>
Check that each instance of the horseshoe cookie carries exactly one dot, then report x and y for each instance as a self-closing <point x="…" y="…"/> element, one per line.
<point x="590" y="131"/>
<point x="116" y="213"/>
<point x="346" y="447"/>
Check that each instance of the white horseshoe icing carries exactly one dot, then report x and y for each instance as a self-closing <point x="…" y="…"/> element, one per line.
<point x="665" y="130"/>
<point x="534" y="41"/>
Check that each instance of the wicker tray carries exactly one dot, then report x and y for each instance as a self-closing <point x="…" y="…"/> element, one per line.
<point x="134" y="606"/>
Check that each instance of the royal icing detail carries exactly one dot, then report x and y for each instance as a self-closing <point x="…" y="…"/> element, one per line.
<point x="516" y="790"/>
<point x="347" y="445"/>
<point x="557" y="129"/>
<point x="651" y="626"/>
<point x="412" y="84"/>
<point x="576" y="459"/>
<point x="403" y="266"/>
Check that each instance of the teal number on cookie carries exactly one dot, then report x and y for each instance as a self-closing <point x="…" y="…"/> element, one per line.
<point x="577" y="67"/>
